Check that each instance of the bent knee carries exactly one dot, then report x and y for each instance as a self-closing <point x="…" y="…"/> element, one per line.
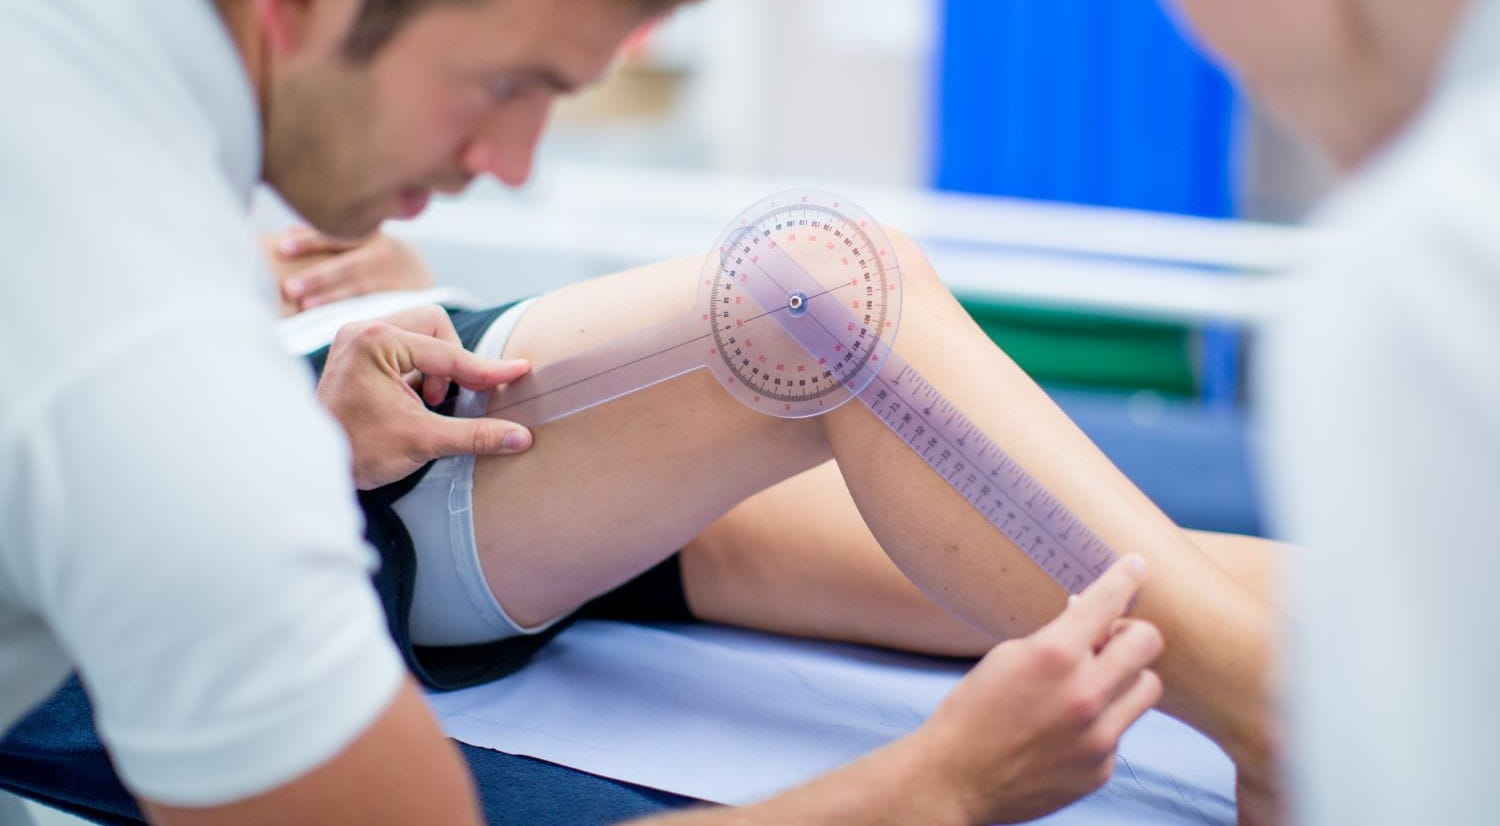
<point x="919" y="279"/>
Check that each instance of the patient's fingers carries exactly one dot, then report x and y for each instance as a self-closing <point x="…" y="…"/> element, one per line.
<point x="303" y="240"/>
<point x="325" y="282"/>
<point x="376" y="264"/>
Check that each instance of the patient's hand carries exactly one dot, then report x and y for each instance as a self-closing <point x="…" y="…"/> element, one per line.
<point x="1035" y="724"/>
<point x="370" y="381"/>
<point x="313" y="269"/>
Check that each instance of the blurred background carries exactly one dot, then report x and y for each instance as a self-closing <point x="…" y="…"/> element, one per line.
<point x="1092" y="187"/>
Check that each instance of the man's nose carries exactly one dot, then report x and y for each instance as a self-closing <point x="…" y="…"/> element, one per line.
<point x="505" y="145"/>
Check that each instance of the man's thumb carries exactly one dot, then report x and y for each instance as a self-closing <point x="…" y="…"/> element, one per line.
<point x="480" y="437"/>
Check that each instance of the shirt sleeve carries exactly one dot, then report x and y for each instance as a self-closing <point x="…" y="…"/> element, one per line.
<point x="195" y="548"/>
<point x="178" y="510"/>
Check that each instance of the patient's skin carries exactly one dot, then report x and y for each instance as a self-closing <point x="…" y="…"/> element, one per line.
<point x="829" y="578"/>
<point x="609" y="492"/>
<point x="311" y="269"/>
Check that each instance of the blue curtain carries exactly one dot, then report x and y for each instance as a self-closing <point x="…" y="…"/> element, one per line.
<point x="1090" y="101"/>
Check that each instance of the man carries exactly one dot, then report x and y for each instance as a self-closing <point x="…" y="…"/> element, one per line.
<point x="177" y="523"/>
<point x="1384" y="398"/>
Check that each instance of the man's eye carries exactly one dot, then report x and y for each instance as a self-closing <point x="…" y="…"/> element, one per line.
<point x="503" y="90"/>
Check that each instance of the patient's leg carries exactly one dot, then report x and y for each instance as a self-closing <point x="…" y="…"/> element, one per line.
<point x="828" y="578"/>
<point x="823" y="576"/>
<point x="1255" y="564"/>
<point x="608" y="492"/>
<point x="1217" y="633"/>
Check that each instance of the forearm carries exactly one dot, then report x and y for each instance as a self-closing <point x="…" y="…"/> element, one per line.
<point x="898" y="784"/>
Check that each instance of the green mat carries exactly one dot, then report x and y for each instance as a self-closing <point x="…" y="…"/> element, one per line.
<point x="1083" y="349"/>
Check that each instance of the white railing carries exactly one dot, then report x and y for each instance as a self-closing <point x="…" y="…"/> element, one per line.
<point x="580" y="220"/>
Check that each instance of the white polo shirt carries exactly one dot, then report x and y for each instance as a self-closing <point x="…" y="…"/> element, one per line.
<point x="1384" y="387"/>
<point x="176" y="514"/>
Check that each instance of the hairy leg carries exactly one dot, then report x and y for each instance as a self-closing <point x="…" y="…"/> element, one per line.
<point x="606" y="493"/>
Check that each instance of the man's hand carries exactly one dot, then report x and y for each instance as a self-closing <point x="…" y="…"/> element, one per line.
<point x="312" y="269"/>
<point x="370" y="381"/>
<point x="1035" y="724"/>
<point x="1032" y="728"/>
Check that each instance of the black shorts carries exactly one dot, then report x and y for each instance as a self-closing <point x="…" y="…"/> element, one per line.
<point x="655" y="595"/>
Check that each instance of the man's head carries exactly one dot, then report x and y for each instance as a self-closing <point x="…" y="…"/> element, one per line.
<point x="1346" y="74"/>
<point x="370" y="105"/>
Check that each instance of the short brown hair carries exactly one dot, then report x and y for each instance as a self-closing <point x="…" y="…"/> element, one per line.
<point x="379" y="20"/>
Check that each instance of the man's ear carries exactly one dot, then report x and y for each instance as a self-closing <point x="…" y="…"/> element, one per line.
<point x="285" y="23"/>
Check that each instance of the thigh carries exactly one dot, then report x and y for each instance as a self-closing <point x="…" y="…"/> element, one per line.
<point x="606" y="493"/>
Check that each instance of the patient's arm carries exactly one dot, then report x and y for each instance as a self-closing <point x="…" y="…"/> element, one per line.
<point x="312" y="269"/>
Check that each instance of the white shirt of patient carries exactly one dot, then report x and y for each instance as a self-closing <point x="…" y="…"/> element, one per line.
<point x="176" y="514"/>
<point x="1385" y="419"/>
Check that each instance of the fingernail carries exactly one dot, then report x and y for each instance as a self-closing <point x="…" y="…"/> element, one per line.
<point x="517" y="440"/>
<point x="286" y="245"/>
<point x="295" y="286"/>
<point x="1137" y="565"/>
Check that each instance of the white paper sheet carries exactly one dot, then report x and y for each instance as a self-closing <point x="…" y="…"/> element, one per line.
<point x="734" y="716"/>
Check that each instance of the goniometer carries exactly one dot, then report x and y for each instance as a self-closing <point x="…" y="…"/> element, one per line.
<point x="798" y="306"/>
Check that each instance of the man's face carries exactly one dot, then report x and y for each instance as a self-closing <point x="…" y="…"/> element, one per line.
<point x="1346" y="74"/>
<point x="459" y="90"/>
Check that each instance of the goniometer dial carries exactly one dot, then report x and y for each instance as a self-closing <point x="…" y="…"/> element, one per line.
<point x="802" y="303"/>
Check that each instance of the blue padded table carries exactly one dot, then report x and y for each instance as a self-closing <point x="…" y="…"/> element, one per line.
<point x="54" y="756"/>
